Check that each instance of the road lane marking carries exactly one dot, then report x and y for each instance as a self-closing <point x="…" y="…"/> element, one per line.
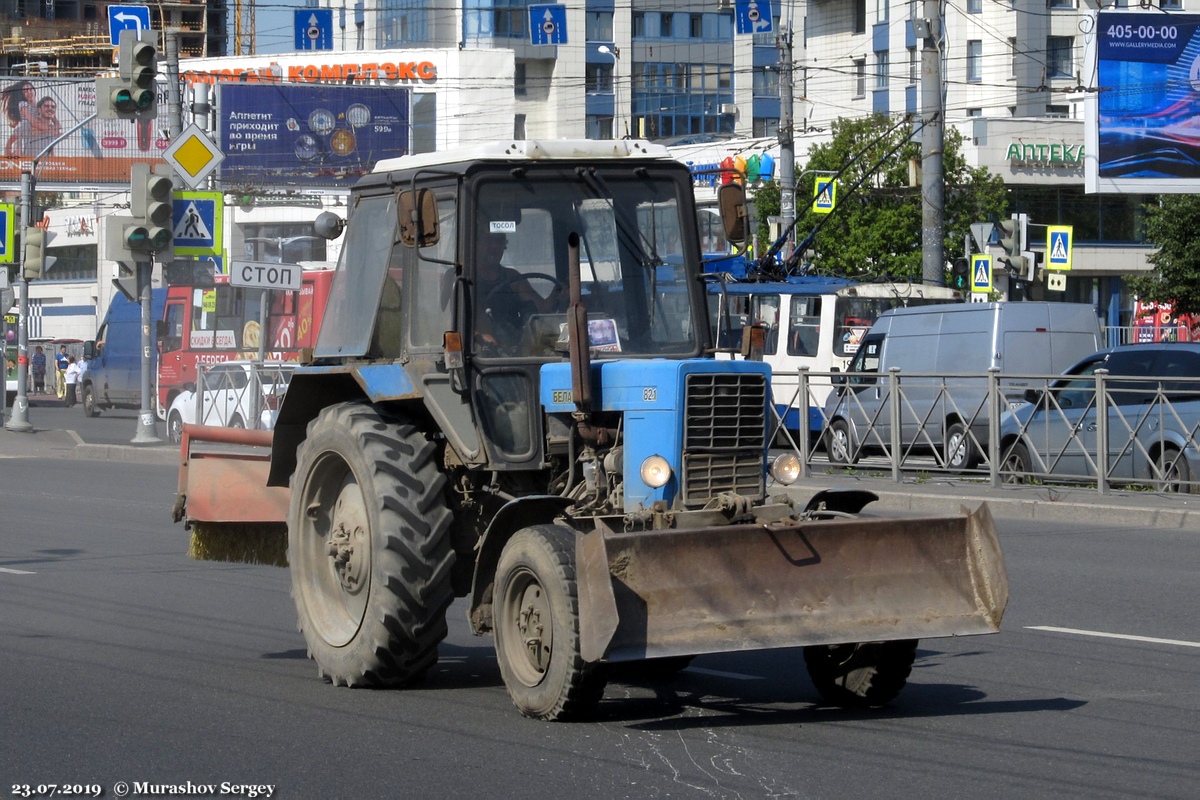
<point x="16" y="571"/>
<point x="1103" y="635"/>
<point x="737" y="676"/>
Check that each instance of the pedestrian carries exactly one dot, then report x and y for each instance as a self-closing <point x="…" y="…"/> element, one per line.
<point x="60" y="372"/>
<point x="71" y="377"/>
<point x="39" y="370"/>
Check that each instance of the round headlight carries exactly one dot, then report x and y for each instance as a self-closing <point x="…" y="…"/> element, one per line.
<point x="786" y="468"/>
<point x="655" y="472"/>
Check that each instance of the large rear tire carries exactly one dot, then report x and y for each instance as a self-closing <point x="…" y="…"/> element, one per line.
<point x="369" y="547"/>
<point x="537" y="627"/>
<point x="861" y="675"/>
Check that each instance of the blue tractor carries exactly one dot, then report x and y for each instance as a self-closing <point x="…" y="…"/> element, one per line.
<point x="514" y="401"/>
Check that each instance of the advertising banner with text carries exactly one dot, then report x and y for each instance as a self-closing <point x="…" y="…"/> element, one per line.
<point x="287" y="135"/>
<point x="1147" y="86"/>
<point x="37" y="111"/>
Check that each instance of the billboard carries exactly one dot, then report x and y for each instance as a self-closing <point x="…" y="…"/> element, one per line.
<point x="1142" y="118"/>
<point x="1158" y="322"/>
<point x="36" y="111"/>
<point x="289" y="135"/>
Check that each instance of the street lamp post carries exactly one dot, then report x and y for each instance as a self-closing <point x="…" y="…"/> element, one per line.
<point x="615" y="52"/>
<point x="18" y="419"/>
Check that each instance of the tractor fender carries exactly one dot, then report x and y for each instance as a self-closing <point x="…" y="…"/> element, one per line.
<point x="512" y="517"/>
<point x="313" y="388"/>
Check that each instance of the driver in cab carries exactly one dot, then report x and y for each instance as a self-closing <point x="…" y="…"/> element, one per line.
<point x="506" y="299"/>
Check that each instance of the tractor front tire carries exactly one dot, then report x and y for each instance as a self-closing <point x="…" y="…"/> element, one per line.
<point x="863" y="674"/>
<point x="537" y="627"/>
<point x="369" y="547"/>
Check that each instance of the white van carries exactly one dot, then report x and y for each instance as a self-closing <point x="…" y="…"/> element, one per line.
<point x="943" y="354"/>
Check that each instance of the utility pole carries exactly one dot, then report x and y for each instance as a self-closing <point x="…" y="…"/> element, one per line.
<point x="787" y="140"/>
<point x="933" y="204"/>
<point x="19" y="419"/>
<point x="174" y="105"/>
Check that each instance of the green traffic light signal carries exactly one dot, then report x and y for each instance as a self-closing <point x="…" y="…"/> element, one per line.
<point x="123" y="102"/>
<point x="960" y="275"/>
<point x="137" y="237"/>
<point x="159" y="238"/>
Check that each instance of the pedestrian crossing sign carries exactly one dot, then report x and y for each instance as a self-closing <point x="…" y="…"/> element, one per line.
<point x="1058" y="247"/>
<point x="981" y="273"/>
<point x="197" y="221"/>
<point x="824" y="195"/>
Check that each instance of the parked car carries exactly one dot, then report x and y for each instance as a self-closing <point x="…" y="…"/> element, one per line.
<point x="1152" y="416"/>
<point x="236" y="394"/>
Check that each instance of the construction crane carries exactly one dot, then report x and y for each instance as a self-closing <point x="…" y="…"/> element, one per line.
<point x="244" y="34"/>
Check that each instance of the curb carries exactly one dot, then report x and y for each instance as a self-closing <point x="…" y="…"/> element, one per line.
<point x="142" y="454"/>
<point x="1072" y="505"/>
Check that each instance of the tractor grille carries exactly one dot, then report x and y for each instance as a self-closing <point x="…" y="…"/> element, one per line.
<point x="723" y="441"/>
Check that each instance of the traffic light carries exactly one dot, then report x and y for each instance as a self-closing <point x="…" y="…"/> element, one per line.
<point x="133" y="94"/>
<point x="1012" y="238"/>
<point x="34" y="260"/>
<point x="150" y="196"/>
<point x="138" y="64"/>
<point x="960" y="275"/>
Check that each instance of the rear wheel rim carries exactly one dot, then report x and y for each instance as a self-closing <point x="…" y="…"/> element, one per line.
<point x="336" y="551"/>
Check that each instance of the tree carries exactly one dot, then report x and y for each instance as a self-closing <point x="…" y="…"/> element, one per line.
<point x="875" y="229"/>
<point x="1171" y="224"/>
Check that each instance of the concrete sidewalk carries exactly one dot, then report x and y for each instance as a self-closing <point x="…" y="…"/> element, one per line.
<point x="53" y="443"/>
<point x="923" y="496"/>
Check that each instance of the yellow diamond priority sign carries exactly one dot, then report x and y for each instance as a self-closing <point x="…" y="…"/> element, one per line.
<point x="194" y="156"/>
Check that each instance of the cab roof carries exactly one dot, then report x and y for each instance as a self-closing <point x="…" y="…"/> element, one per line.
<point x="529" y="150"/>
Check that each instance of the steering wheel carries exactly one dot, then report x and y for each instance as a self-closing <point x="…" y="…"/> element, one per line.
<point x="510" y="314"/>
<point x="528" y="276"/>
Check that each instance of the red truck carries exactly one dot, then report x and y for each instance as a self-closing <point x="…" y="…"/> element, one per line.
<point x="207" y="325"/>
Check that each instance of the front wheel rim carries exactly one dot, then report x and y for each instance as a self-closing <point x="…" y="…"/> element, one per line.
<point x="840" y="445"/>
<point x="528" y="637"/>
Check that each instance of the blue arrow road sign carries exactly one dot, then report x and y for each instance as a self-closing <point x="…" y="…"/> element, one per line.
<point x="753" y="16"/>
<point x="314" y="28"/>
<point x="548" y="24"/>
<point x="125" y="18"/>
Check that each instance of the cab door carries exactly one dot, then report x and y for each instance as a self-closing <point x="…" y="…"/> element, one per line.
<point x="863" y="399"/>
<point x="170" y="361"/>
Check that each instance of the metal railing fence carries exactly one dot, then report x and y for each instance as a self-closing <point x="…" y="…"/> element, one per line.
<point x="1095" y="429"/>
<point x="229" y="392"/>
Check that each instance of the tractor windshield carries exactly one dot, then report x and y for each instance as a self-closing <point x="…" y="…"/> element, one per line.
<point x="636" y="248"/>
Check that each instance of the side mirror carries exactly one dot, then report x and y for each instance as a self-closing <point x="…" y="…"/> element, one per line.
<point x="89" y="350"/>
<point x="161" y="329"/>
<point x="417" y="212"/>
<point x="328" y="225"/>
<point x="1033" y="396"/>
<point x="731" y="199"/>
<point x="837" y="380"/>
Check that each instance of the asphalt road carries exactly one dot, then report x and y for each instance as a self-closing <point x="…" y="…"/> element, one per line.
<point x="112" y="426"/>
<point x="125" y="661"/>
